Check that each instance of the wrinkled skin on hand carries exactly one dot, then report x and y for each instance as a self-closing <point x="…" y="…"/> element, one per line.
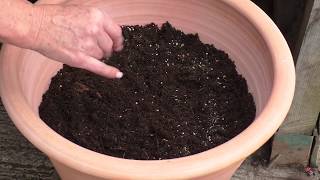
<point x="77" y="35"/>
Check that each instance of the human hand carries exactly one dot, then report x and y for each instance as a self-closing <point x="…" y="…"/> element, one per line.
<point x="76" y="35"/>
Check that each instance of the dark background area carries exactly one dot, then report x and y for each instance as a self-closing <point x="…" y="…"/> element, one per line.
<point x="290" y="16"/>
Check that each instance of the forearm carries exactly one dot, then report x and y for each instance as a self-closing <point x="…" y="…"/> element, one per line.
<point x="16" y="20"/>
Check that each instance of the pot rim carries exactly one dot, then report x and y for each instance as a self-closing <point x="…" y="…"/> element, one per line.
<point x="90" y="162"/>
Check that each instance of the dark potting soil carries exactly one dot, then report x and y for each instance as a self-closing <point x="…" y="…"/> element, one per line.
<point x="178" y="97"/>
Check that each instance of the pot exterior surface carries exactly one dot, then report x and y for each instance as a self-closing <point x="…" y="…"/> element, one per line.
<point x="67" y="173"/>
<point x="240" y="28"/>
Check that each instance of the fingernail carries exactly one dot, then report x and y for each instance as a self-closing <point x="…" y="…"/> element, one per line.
<point x="119" y="75"/>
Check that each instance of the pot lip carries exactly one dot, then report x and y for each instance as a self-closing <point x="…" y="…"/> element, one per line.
<point x="89" y="162"/>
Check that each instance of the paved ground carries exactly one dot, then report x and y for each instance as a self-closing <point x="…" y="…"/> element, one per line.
<point x="20" y="160"/>
<point x="249" y="172"/>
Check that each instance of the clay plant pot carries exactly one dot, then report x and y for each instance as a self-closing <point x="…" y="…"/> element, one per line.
<point x="238" y="27"/>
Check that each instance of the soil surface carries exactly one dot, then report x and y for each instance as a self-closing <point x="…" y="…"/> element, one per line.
<point x="178" y="97"/>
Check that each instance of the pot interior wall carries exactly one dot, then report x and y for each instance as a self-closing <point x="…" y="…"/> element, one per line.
<point x="212" y="20"/>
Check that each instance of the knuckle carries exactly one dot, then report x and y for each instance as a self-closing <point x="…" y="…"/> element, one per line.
<point x="99" y="55"/>
<point x="95" y="21"/>
<point x="75" y="63"/>
<point x="77" y="60"/>
<point x="93" y="29"/>
<point x="88" y="45"/>
<point x="96" y="14"/>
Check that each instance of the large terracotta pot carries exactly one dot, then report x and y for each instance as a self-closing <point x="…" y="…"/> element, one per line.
<point x="238" y="27"/>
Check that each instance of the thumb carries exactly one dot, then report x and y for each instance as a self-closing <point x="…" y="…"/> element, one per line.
<point x="100" y="68"/>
